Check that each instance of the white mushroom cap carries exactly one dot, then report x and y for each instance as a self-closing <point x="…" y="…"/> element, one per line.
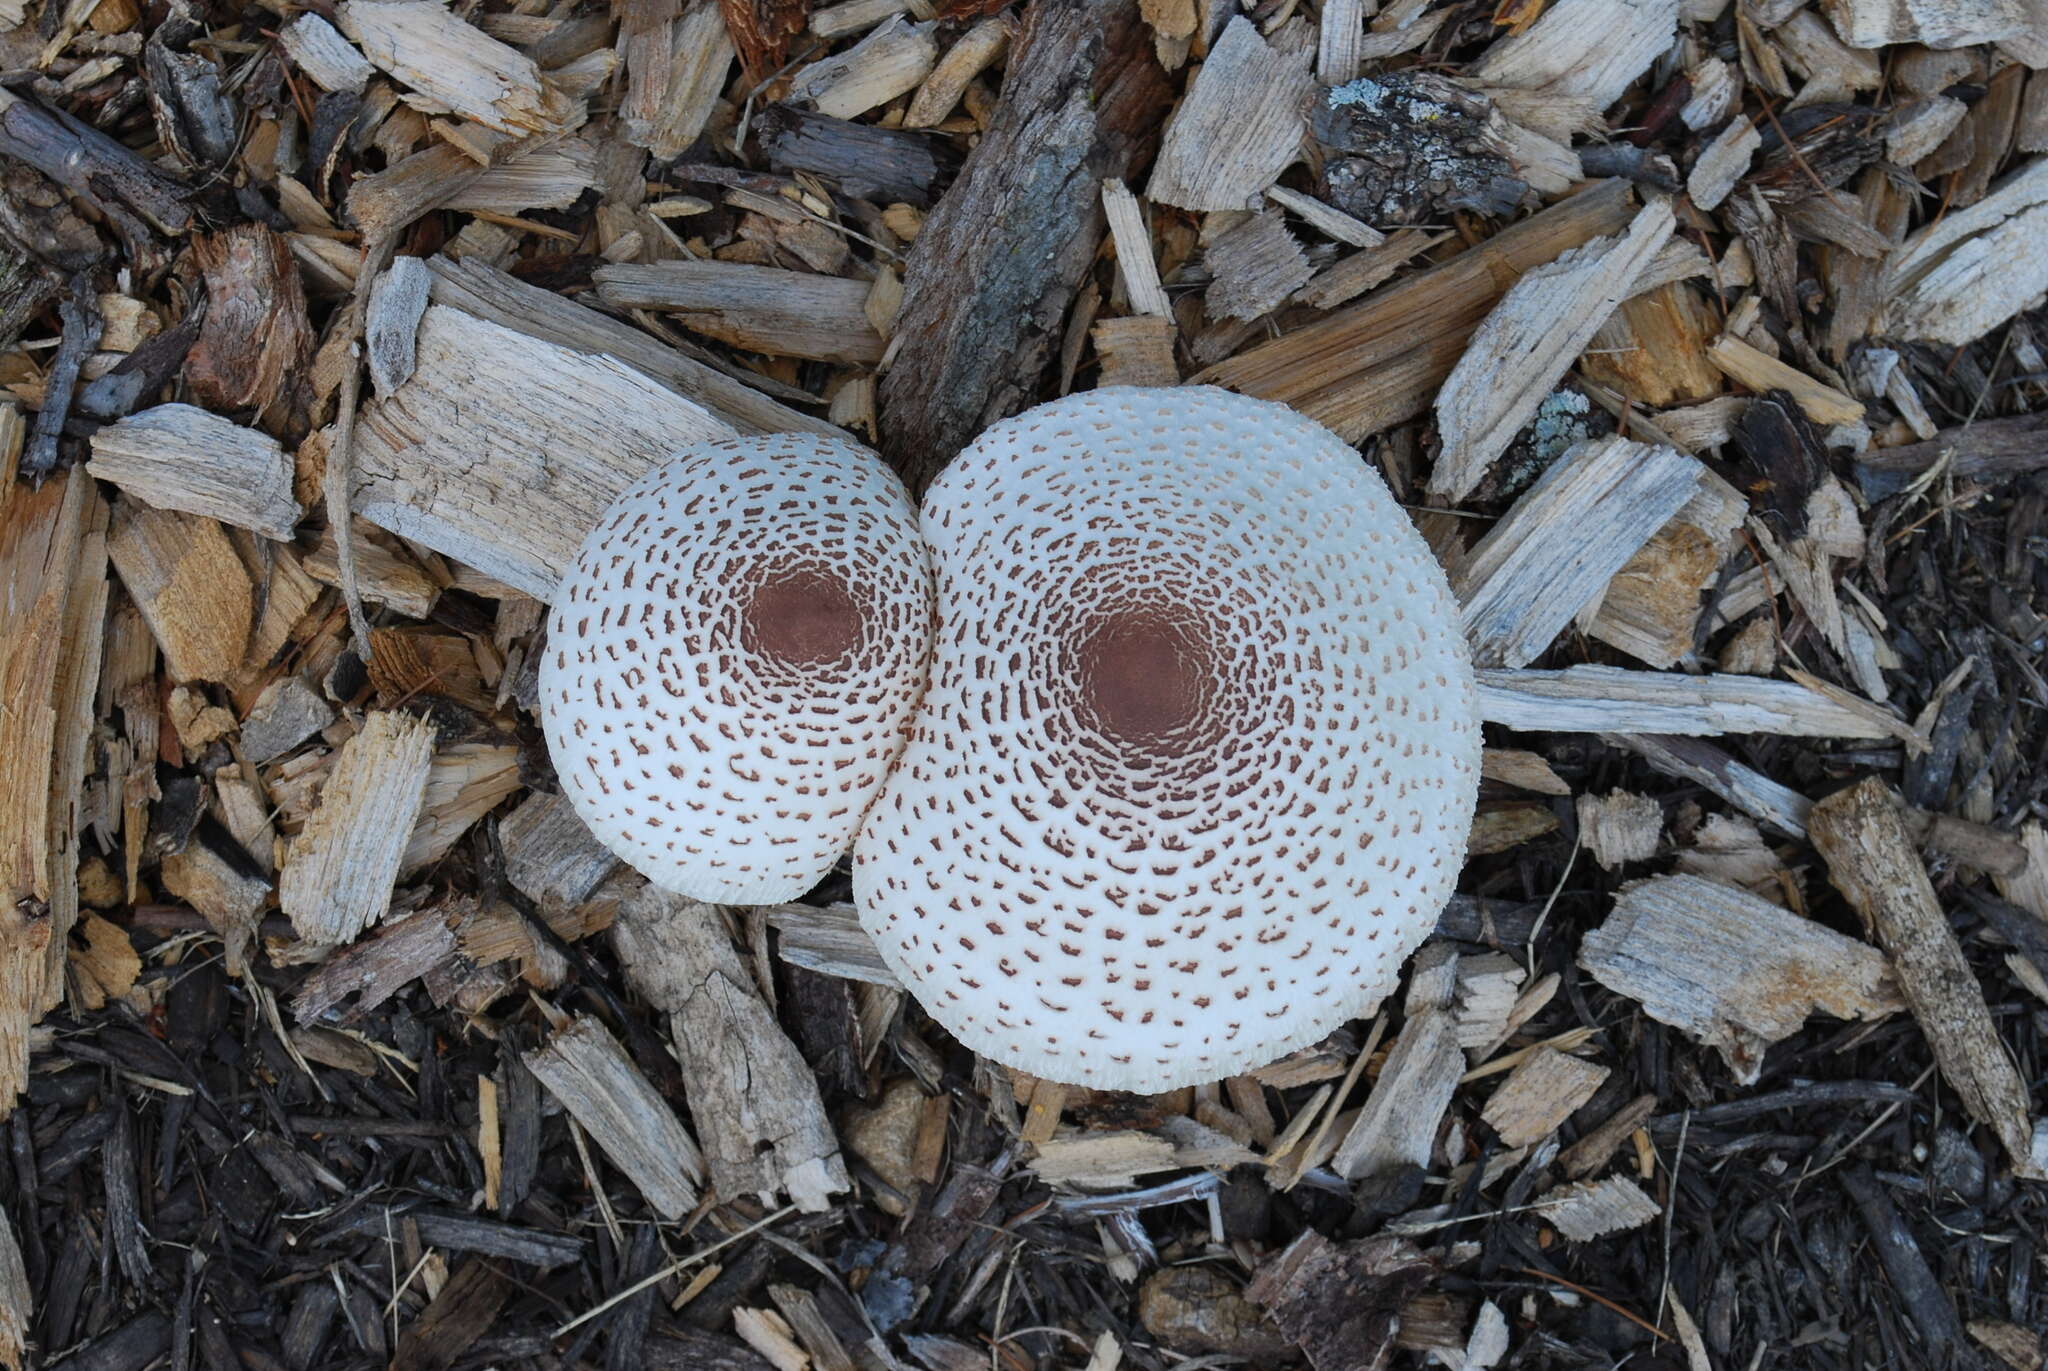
<point x="733" y="662"/>
<point x="1198" y="761"/>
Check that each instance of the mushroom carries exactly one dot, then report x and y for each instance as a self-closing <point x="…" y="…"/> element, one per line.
<point x="1199" y="756"/>
<point x="734" y="659"/>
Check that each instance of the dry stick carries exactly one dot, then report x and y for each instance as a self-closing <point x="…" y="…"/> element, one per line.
<point x="335" y="485"/>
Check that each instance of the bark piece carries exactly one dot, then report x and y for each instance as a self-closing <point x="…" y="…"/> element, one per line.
<point x="866" y="162"/>
<point x="505" y="467"/>
<point x="764" y="309"/>
<point x="752" y="1097"/>
<point x="1380" y="361"/>
<point x="1731" y="970"/>
<point x="584" y="1067"/>
<point x="183" y="574"/>
<point x="1341" y="1302"/>
<point x="339" y="870"/>
<point x="1411" y="147"/>
<point x="1564" y="540"/>
<point x="1238" y="127"/>
<point x="424" y="45"/>
<point x="52" y="621"/>
<point x="1989" y="450"/>
<point x="1524" y="347"/>
<point x="994" y="268"/>
<point x="218" y="881"/>
<point x="182" y="458"/>
<point x="1861" y="833"/>
<point x="1540" y="1094"/>
<point x="255" y="339"/>
<point x="1133" y="242"/>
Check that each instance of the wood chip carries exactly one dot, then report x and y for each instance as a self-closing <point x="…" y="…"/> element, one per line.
<point x="1971" y="270"/>
<point x="1618" y="828"/>
<point x="182" y="458"/>
<point x="893" y="60"/>
<point x="765" y="309"/>
<point x="584" y="1067"/>
<point x="1240" y="124"/>
<point x="183" y="574"/>
<point x="1723" y="162"/>
<point x="1136" y="351"/>
<point x="1134" y="251"/>
<point x="339" y="870"/>
<point x="1554" y="57"/>
<point x="1540" y="1094"/>
<point x="1254" y="267"/>
<point x="328" y="59"/>
<point x="1527" y="343"/>
<point x="428" y="47"/>
<point x="1730" y="970"/>
<point x="753" y="1098"/>
<point x="1398" y="1125"/>
<point x="1585" y="1210"/>
<point x="1524" y="581"/>
<point x="1861" y="833"/>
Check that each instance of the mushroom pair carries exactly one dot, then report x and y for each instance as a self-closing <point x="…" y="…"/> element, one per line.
<point x="1153" y="732"/>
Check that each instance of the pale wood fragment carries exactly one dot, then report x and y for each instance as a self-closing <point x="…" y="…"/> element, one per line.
<point x="1583" y="51"/>
<point x="1326" y="219"/>
<point x="1339" y="38"/>
<point x="391" y="329"/>
<point x="1254" y="266"/>
<point x="1723" y="162"/>
<point x="971" y="54"/>
<point x="550" y="856"/>
<point x="53" y="600"/>
<point x="1530" y="339"/>
<point x="1761" y="372"/>
<point x="382" y="576"/>
<point x="891" y="61"/>
<point x="1539" y="1095"/>
<point x="1699" y="761"/>
<point x="584" y="1067"/>
<point x="330" y="60"/>
<point x="1861" y="833"/>
<point x="1651" y="607"/>
<point x="183" y="574"/>
<point x="1133" y="241"/>
<point x="1619" y="827"/>
<point x="340" y="868"/>
<point x="1136" y="350"/>
<point x="1969" y="271"/>
<point x="1523" y="769"/>
<point x="17" y="1299"/>
<point x="464" y="783"/>
<point x="1936" y="23"/>
<point x="753" y="1098"/>
<point x="1603" y="699"/>
<point x="1398" y="1125"/>
<point x="1523" y="582"/>
<point x="1917" y="129"/>
<point x="676" y="65"/>
<point x="426" y="46"/>
<point x="1730" y="970"/>
<point x="829" y="941"/>
<point x="1488" y="986"/>
<point x="221" y="887"/>
<point x="1585" y="1210"/>
<point x="1595" y="1148"/>
<point x="506" y="467"/>
<point x="766" y="309"/>
<point x="182" y="458"/>
<point x="1354" y="275"/>
<point x="1238" y="127"/>
<point x="1103" y="1159"/>
<point x="1380" y="361"/>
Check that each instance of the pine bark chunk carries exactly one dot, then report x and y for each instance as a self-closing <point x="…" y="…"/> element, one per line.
<point x="752" y="1096"/>
<point x="994" y="268"/>
<point x="1861" y="832"/>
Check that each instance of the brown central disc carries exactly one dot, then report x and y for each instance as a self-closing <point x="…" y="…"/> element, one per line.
<point x="1142" y="674"/>
<point x="802" y="616"/>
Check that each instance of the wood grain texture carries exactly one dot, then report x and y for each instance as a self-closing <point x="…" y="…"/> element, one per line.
<point x="339" y="870"/>
<point x="182" y="458"/>
<point x="994" y="268"/>
<point x="584" y="1067"/>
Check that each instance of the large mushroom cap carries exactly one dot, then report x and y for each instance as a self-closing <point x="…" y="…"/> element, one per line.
<point x="733" y="661"/>
<point x="1198" y="760"/>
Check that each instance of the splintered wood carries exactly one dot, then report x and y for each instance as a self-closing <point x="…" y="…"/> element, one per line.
<point x="752" y="1097"/>
<point x="1730" y="970"/>
<point x="339" y="871"/>
<point x="1239" y="126"/>
<point x="1861" y="833"/>
<point x="584" y="1067"/>
<point x="182" y="458"/>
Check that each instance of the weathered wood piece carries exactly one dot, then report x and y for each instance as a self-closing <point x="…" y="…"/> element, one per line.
<point x="1379" y="362"/>
<point x="1651" y="607"/>
<point x="1136" y="350"/>
<point x="1398" y="1125"/>
<point x="1936" y="23"/>
<point x="502" y="299"/>
<point x="1988" y="450"/>
<point x="1732" y="970"/>
<point x="550" y="856"/>
<point x="254" y="341"/>
<point x="1861" y="833"/>
<point x="1611" y="699"/>
<point x="1342" y="1302"/>
<point x="1563" y="542"/>
<point x="765" y="309"/>
<point x="891" y="61"/>
<point x="378" y="967"/>
<point x="195" y="594"/>
<point x="867" y="162"/>
<point x="677" y="57"/>
<point x="180" y="457"/>
<point x="1240" y="124"/>
<point x="1585" y="1210"/>
<point x="1581" y="55"/>
<point x="971" y="54"/>
<point x="1763" y="373"/>
<point x="753" y="1097"/>
<point x="1704" y="764"/>
<point x="464" y="783"/>
<point x="1619" y="827"/>
<point x="1723" y="162"/>
<point x="1133" y="242"/>
<point x="1540" y="1094"/>
<point x="1971" y="270"/>
<point x="391" y="326"/>
<point x="425" y="45"/>
<point x="328" y="59"/>
<point x="989" y="279"/>
<point x="1525" y="345"/>
<point x="135" y="195"/>
<point x="584" y="1067"/>
<point x="505" y="467"/>
<point x="340" y="868"/>
<point x="53" y="600"/>
<point x="1326" y="219"/>
<point x="1255" y="266"/>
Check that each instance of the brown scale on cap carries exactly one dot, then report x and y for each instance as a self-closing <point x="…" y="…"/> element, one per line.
<point x="1199" y="756"/>
<point x="733" y="661"/>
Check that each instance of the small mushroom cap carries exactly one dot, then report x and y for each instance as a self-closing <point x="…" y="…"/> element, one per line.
<point x="734" y="660"/>
<point x="1198" y="761"/>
